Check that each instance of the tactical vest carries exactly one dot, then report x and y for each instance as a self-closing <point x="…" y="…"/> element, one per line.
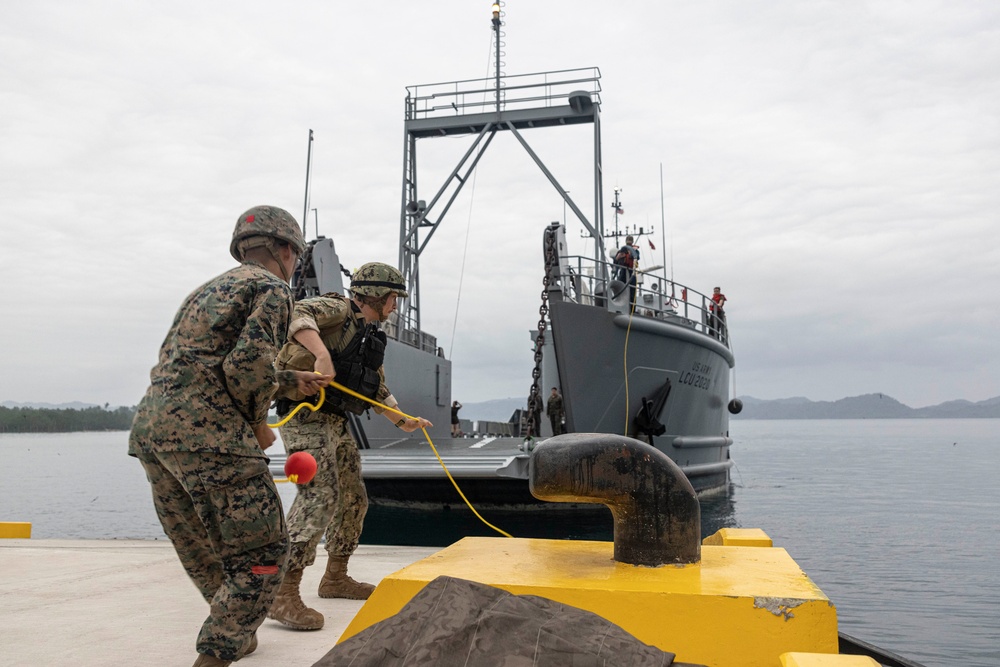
<point x="357" y="369"/>
<point x="357" y="365"/>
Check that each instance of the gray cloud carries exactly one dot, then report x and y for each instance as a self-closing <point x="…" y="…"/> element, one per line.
<point x="833" y="166"/>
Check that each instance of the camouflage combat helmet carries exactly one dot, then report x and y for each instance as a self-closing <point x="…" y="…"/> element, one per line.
<point x="377" y="279"/>
<point x="266" y="221"/>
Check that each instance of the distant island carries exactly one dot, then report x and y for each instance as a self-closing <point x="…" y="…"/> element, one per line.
<point x="28" y="419"/>
<point x="67" y="417"/>
<point x="868" y="406"/>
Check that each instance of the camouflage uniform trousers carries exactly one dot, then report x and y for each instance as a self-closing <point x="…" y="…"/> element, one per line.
<point x="223" y="515"/>
<point x="335" y="501"/>
<point x="555" y="420"/>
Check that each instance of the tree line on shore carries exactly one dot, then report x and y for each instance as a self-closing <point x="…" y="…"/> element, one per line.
<point x="64" y="420"/>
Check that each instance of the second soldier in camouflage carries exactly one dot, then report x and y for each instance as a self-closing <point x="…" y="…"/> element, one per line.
<point x="335" y="335"/>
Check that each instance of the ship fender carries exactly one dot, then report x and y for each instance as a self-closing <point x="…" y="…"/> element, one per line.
<point x="657" y="517"/>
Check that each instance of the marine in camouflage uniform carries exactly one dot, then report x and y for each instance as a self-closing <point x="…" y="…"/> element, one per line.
<point x="200" y="430"/>
<point x="535" y="412"/>
<point x="554" y="409"/>
<point x="334" y="334"/>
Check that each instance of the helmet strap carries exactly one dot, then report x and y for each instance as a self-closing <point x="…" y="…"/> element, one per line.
<point x="274" y="247"/>
<point x="374" y="303"/>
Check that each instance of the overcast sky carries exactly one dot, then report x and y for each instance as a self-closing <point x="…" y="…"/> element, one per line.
<point x="834" y="166"/>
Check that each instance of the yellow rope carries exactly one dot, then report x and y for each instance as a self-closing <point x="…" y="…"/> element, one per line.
<point x="628" y="331"/>
<point x="314" y="408"/>
<point x="335" y="385"/>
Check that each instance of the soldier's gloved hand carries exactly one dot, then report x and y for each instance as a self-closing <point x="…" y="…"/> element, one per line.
<point x="264" y="434"/>
<point x="309" y="383"/>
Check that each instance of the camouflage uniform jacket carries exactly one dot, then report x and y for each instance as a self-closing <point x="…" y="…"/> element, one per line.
<point x="554" y="406"/>
<point x="337" y="320"/>
<point x="215" y="377"/>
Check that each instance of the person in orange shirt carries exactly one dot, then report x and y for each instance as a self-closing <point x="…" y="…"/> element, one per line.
<point x="717" y="314"/>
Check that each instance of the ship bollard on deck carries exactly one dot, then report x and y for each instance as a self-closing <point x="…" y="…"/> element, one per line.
<point x="657" y="517"/>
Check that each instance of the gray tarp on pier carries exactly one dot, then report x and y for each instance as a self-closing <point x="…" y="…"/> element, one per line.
<point x="454" y="622"/>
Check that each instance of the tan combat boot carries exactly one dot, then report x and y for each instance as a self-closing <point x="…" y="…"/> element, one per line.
<point x="205" y="660"/>
<point x="288" y="607"/>
<point x="336" y="583"/>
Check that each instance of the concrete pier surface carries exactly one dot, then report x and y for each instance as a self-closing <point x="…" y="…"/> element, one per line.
<point x="90" y="603"/>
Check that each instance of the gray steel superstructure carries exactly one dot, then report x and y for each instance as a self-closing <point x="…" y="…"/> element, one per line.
<point x="657" y="368"/>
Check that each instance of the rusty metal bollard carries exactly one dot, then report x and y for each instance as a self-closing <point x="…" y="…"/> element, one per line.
<point x="656" y="511"/>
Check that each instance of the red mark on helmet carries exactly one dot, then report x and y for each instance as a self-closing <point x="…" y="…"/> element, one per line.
<point x="264" y="569"/>
<point x="250" y="218"/>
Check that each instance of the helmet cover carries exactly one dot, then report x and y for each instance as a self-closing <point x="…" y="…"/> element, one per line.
<point x="266" y="221"/>
<point x="377" y="279"/>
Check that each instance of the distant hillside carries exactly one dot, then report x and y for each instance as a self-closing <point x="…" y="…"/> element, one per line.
<point x="868" y="406"/>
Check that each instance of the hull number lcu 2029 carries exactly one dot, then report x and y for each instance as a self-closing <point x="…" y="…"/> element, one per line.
<point x="698" y="376"/>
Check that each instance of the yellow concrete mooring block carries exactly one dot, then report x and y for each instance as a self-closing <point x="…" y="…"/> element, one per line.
<point x="15" y="529"/>
<point x="738" y="537"/>
<point x="738" y="606"/>
<point x="826" y="660"/>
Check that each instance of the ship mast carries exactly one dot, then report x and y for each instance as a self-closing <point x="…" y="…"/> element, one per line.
<point x="563" y="98"/>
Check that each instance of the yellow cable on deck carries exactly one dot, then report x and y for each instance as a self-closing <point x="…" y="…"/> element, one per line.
<point x="350" y="392"/>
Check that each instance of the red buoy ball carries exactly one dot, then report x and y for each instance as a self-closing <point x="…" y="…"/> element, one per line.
<point x="300" y="468"/>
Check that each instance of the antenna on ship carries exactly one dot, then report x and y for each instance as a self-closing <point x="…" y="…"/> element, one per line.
<point x="496" y="39"/>
<point x="305" y="206"/>
<point x="663" y="237"/>
<point x="617" y="206"/>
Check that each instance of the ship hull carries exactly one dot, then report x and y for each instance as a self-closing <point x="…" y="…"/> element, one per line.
<point x="680" y="371"/>
<point x="688" y="371"/>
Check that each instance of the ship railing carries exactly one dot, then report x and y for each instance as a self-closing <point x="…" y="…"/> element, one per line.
<point x="521" y="91"/>
<point x="412" y="337"/>
<point x="582" y="280"/>
<point x="485" y="428"/>
<point x="493" y="428"/>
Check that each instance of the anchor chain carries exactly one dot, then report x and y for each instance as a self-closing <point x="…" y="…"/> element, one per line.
<point x="543" y="311"/>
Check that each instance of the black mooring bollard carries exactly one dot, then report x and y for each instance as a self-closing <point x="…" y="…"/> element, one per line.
<point x="656" y="511"/>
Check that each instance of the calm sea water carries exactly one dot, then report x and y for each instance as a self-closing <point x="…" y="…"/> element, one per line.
<point x="898" y="521"/>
